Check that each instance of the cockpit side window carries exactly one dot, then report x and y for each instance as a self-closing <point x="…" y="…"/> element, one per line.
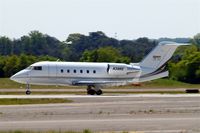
<point x="37" y="68"/>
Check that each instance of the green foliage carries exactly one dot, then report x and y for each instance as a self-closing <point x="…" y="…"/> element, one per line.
<point x="38" y="44"/>
<point x="35" y="43"/>
<point x="104" y="54"/>
<point x="5" y="46"/>
<point x="2" y="63"/>
<point x="87" y="131"/>
<point x="21" y="131"/>
<point x="196" y="40"/>
<point x="16" y="101"/>
<point x="188" y="68"/>
<point x="9" y="65"/>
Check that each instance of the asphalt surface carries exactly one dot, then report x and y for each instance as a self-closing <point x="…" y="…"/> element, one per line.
<point x="128" y="90"/>
<point x="178" y="113"/>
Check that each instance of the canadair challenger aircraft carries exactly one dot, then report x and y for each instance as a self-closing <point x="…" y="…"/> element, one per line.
<point x="97" y="75"/>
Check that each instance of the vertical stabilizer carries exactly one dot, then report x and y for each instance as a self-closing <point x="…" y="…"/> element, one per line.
<point x="158" y="57"/>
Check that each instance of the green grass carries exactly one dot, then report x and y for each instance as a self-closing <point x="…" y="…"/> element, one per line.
<point x="18" y="131"/>
<point x="6" y="83"/>
<point x="163" y="83"/>
<point x="168" y="83"/>
<point x="15" y="101"/>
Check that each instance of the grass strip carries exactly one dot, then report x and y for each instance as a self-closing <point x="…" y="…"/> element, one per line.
<point x="84" y="131"/>
<point x="19" y="131"/>
<point x="16" y="101"/>
<point x="6" y="83"/>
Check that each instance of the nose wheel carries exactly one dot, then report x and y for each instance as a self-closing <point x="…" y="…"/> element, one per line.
<point x="28" y="92"/>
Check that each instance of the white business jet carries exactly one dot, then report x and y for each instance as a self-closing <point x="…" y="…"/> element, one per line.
<point x="97" y="75"/>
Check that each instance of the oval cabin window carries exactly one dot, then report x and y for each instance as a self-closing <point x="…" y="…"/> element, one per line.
<point x="94" y="71"/>
<point x="61" y="71"/>
<point x="88" y="71"/>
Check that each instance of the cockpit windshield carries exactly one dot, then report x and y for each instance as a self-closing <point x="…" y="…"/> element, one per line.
<point x="29" y="68"/>
<point x="34" y="68"/>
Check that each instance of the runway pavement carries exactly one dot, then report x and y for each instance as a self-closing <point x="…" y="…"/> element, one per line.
<point x="102" y="96"/>
<point x="141" y="112"/>
<point x="105" y="90"/>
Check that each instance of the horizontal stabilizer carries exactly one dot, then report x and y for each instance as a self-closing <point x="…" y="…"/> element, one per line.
<point x="153" y="77"/>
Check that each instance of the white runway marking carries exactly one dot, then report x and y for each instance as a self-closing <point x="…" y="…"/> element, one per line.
<point x="101" y="120"/>
<point x="103" y="96"/>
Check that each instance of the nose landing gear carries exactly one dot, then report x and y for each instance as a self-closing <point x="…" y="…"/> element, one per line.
<point x="92" y="90"/>
<point x="28" y="92"/>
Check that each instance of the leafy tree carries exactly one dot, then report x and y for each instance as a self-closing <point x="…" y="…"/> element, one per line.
<point x="37" y="44"/>
<point x="104" y="54"/>
<point x="10" y="66"/>
<point x="196" y="39"/>
<point x="188" y="67"/>
<point x="2" y="63"/>
<point x="5" y="46"/>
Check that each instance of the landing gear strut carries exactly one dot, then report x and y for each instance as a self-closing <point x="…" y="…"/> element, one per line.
<point x="28" y="92"/>
<point x="92" y="90"/>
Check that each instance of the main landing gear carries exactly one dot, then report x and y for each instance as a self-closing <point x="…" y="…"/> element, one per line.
<point x="28" y="92"/>
<point x="92" y="90"/>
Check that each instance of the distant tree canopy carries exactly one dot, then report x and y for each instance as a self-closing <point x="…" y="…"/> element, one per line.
<point x="187" y="68"/>
<point x="17" y="54"/>
<point x="9" y="65"/>
<point x="35" y="43"/>
<point x="38" y="44"/>
<point x="104" y="54"/>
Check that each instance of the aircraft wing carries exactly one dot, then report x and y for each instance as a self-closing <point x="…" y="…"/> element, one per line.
<point x="95" y="82"/>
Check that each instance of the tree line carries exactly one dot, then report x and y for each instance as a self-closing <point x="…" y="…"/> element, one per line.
<point x="9" y="65"/>
<point x="16" y="54"/>
<point x="185" y="65"/>
<point x="72" y="49"/>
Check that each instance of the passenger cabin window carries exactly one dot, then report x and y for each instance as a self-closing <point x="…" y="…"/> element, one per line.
<point x="94" y="71"/>
<point x="81" y="71"/>
<point x="37" y="68"/>
<point x="68" y="71"/>
<point x="88" y="71"/>
<point x="61" y="71"/>
<point x="74" y="71"/>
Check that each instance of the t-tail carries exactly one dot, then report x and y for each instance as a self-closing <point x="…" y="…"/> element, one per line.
<point x="153" y="65"/>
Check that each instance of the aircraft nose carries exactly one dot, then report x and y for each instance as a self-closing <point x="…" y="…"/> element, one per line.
<point x="20" y="77"/>
<point x="13" y="77"/>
